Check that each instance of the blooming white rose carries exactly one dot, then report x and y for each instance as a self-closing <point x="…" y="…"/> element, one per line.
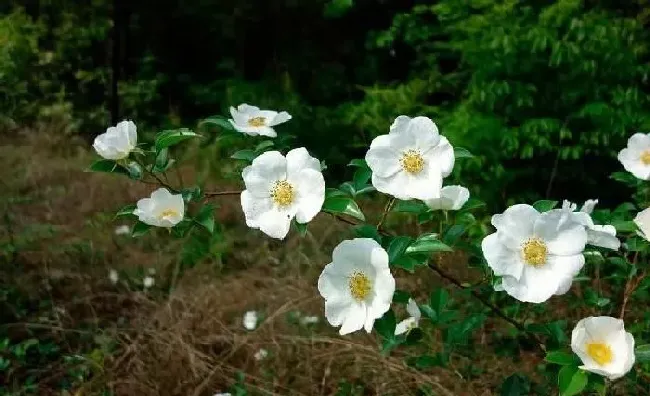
<point x="636" y="156"/>
<point x="604" y="346"/>
<point x="597" y="235"/>
<point x="280" y="188"/>
<point x="589" y="205"/>
<point x="253" y="121"/>
<point x="451" y="198"/>
<point x="410" y="162"/>
<point x="148" y="282"/>
<point x="162" y="209"/>
<point x="412" y="321"/>
<point x="250" y="320"/>
<point x="642" y="221"/>
<point x="357" y="285"/>
<point x="117" y="142"/>
<point x="537" y="254"/>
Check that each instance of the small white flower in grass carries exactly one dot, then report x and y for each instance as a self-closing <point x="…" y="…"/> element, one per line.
<point x="597" y="235"/>
<point x="604" y="346"/>
<point x="117" y="142"/>
<point x="280" y="188"/>
<point x="122" y="230"/>
<point x="537" y="254"/>
<point x="636" y="156"/>
<point x="357" y="285"/>
<point x="162" y="209"/>
<point x="411" y="322"/>
<point x="113" y="276"/>
<point x="411" y="161"/>
<point x="261" y="354"/>
<point x="589" y="205"/>
<point x="642" y="221"/>
<point x="250" y="320"/>
<point x="451" y="198"/>
<point x="222" y="394"/>
<point x="308" y="320"/>
<point x="148" y="282"/>
<point x="253" y="121"/>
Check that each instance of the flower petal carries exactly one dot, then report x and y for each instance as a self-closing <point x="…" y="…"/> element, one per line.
<point x="442" y="156"/>
<point x="280" y="118"/>
<point x="253" y="207"/>
<point x="355" y="318"/>
<point x="503" y="261"/>
<point x="562" y="235"/>
<point x="403" y="326"/>
<point x="275" y="223"/>
<point x="299" y="159"/>
<point x="603" y="236"/>
<point x="310" y="194"/>
<point x="516" y="224"/>
<point x="383" y="161"/>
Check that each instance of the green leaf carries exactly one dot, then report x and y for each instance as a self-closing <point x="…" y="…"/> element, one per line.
<point x="544" y="205"/>
<point x="107" y="166"/>
<point x="425" y="361"/>
<point x="161" y="159"/>
<point x="453" y="233"/>
<point x="190" y="194"/>
<point x="126" y="211"/>
<point x="571" y="380"/>
<point x="367" y="231"/>
<point x="337" y="8"/>
<point x="135" y="170"/>
<point x="438" y="300"/>
<point x="263" y="146"/>
<point x="170" y="138"/>
<point x="642" y="353"/>
<point x="205" y="217"/>
<point x="460" y="152"/>
<point x="472" y="204"/>
<point x="428" y="243"/>
<point x="624" y="226"/>
<point x="361" y="177"/>
<point x="560" y="357"/>
<point x="343" y="205"/>
<point x="407" y="263"/>
<point x="396" y="247"/>
<point x="385" y="326"/>
<point x="300" y="227"/>
<point x="246" y="155"/>
<point x="218" y="121"/>
<point x="140" y="229"/>
<point x="360" y="163"/>
<point x="626" y="178"/>
<point x="515" y="385"/>
<point x="412" y="206"/>
<point x="401" y="296"/>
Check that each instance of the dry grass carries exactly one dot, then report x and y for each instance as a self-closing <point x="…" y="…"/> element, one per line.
<point x="192" y="342"/>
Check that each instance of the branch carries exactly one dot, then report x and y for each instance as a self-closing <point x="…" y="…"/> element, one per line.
<point x="389" y="205"/>
<point x="212" y="194"/>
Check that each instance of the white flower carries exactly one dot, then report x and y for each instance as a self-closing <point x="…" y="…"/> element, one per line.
<point x="250" y="320"/>
<point x="589" y="205"/>
<point x="357" y="285"/>
<point x="642" y="221"/>
<point x="122" y="230"/>
<point x="253" y="121"/>
<point x="117" y="142"/>
<point x="162" y="209"/>
<point x="604" y="346"/>
<point x="307" y="320"/>
<point x="261" y="354"/>
<point x="222" y="394"/>
<point x="538" y="255"/>
<point x="148" y="282"/>
<point x="597" y="235"/>
<point x="636" y="156"/>
<point x="113" y="276"/>
<point x="410" y="162"/>
<point x="451" y="198"/>
<point x="280" y="188"/>
<point x="411" y="322"/>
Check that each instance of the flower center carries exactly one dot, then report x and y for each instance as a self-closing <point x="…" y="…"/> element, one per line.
<point x="282" y="193"/>
<point x="257" y="122"/>
<point x="168" y="213"/>
<point x="360" y="285"/>
<point x="645" y="157"/>
<point x="534" y="252"/>
<point x="412" y="161"/>
<point x="600" y="352"/>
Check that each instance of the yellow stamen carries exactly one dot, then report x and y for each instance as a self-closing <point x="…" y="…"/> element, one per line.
<point x="412" y="161"/>
<point x="600" y="352"/>
<point x="168" y="213"/>
<point x="645" y="157"/>
<point x="534" y="251"/>
<point x="360" y="285"/>
<point x="282" y="193"/>
<point x="257" y="122"/>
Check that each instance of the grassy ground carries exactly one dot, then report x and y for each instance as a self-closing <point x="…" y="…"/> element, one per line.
<point x="93" y="337"/>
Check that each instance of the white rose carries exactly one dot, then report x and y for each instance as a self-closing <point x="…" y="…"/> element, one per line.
<point x="642" y="221"/>
<point x="604" y="346"/>
<point x="412" y="321"/>
<point x="117" y="142"/>
<point x="451" y="198"/>
<point x="636" y="156"/>
<point x="253" y="121"/>
<point x="162" y="209"/>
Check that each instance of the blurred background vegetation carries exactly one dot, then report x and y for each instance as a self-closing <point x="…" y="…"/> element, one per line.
<point x="543" y="91"/>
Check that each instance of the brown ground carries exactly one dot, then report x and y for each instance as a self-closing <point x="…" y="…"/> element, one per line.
<point x="192" y="342"/>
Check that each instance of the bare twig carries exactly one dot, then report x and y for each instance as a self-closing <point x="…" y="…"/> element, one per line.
<point x="389" y="205"/>
<point x="630" y="286"/>
<point x="211" y="194"/>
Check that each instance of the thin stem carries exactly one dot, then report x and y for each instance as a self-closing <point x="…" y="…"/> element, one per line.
<point x="211" y="194"/>
<point x="630" y="286"/>
<point x="158" y="179"/>
<point x="389" y="205"/>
